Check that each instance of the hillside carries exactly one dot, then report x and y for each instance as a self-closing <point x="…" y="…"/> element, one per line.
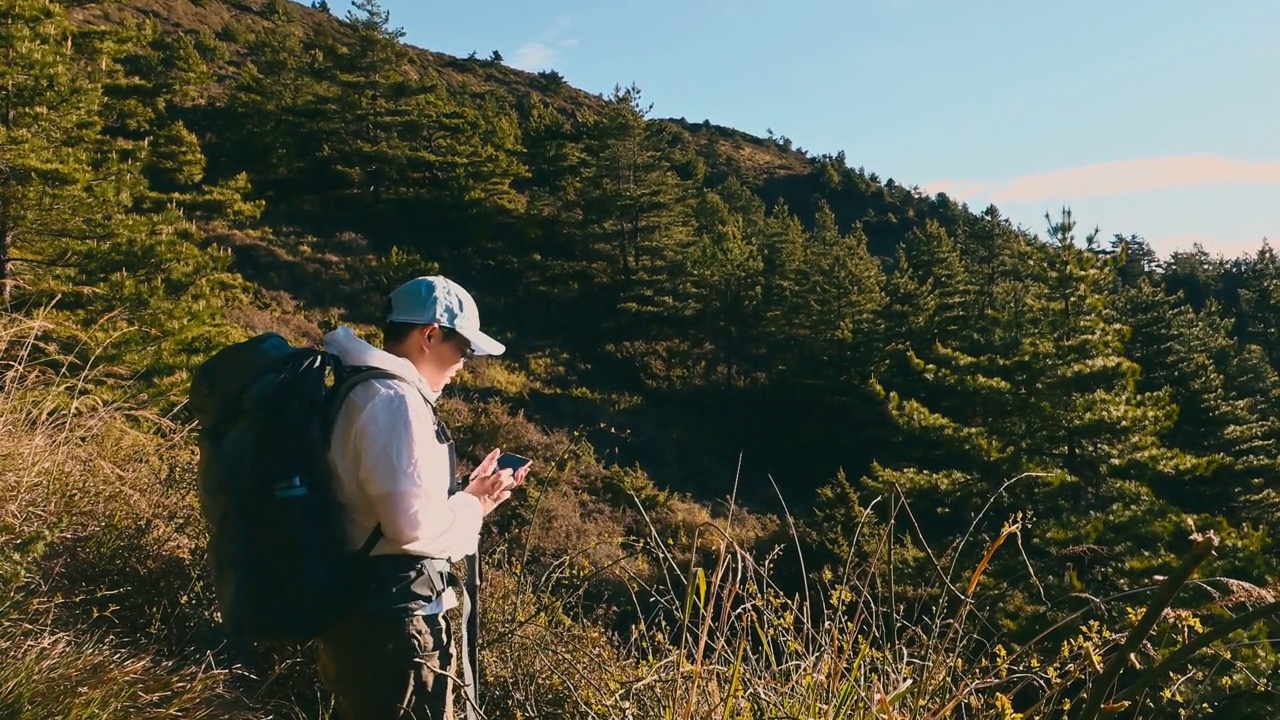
<point x="701" y="154"/>
<point x="944" y="462"/>
<point x="734" y="153"/>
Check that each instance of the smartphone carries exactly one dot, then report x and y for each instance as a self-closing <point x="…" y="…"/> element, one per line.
<point x="512" y="462"/>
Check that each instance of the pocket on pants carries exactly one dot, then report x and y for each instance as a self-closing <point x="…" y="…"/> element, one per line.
<point x="387" y="667"/>
<point x="432" y="640"/>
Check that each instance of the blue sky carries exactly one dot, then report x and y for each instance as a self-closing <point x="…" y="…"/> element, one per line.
<point x="1155" y="118"/>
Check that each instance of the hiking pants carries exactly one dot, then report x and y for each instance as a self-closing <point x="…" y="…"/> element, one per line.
<point x="389" y="668"/>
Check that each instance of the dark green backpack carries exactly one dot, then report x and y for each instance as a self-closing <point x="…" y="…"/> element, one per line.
<point x="277" y="553"/>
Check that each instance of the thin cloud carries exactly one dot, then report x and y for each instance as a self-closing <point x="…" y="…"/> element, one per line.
<point x="534" y="56"/>
<point x="1228" y="246"/>
<point x="1116" y="178"/>
<point x="1187" y="241"/>
<point x="544" y="51"/>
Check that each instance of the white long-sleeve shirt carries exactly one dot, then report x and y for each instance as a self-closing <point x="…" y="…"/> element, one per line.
<point x="391" y="469"/>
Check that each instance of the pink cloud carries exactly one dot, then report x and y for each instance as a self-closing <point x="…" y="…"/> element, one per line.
<point x="1186" y="242"/>
<point x="1116" y="178"/>
<point x="1228" y="246"/>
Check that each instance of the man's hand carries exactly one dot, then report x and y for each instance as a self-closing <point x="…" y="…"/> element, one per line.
<point x="493" y="488"/>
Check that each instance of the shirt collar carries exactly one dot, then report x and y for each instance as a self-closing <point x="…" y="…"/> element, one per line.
<point x="353" y="350"/>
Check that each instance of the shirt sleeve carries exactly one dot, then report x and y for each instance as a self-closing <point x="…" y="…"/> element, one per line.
<point x="405" y="471"/>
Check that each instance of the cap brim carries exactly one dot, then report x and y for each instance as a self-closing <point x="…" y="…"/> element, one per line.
<point x="482" y="344"/>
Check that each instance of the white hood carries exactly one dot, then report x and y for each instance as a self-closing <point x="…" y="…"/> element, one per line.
<point x="353" y="350"/>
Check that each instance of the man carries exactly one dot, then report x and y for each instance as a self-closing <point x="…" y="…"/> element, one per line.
<point x="393" y="656"/>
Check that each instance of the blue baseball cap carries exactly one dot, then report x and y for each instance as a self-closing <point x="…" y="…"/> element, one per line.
<point x="437" y="299"/>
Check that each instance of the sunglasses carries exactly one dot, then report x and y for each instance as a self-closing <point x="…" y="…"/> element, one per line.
<point x="468" y="352"/>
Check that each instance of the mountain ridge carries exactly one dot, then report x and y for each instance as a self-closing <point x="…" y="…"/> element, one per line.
<point x="744" y="154"/>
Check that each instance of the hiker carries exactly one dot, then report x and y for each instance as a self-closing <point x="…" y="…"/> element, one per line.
<point x="395" y="469"/>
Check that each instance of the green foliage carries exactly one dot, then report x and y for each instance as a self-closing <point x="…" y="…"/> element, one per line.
<point x="552" y="82"/>
<point x="717" y="637"/>
<point x="630" y="196"/>
<point x="227" y="200"/>
<point x="279" y="11"/>
<point x="60" y="178"/>
<point x="234" y="32"/>
<point x="211" y="49"/>
<point x="175" y="161"/>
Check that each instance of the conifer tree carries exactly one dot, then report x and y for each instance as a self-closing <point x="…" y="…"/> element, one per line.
<point x="930" y="290"/>
<point x="630" y="193"/>
<point x="844" y="289"/>
<point x="1059" y="396"/>
<point x="175" y="161"/>
<point x="1223" y="390"/>
<point x="1259" y="311"/>
<point x="726" y="270"/>
<point x="634" y="207"/>
<point x="58" y="178"/>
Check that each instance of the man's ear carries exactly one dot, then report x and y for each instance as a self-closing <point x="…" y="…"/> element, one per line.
<point x="428" y="330"/>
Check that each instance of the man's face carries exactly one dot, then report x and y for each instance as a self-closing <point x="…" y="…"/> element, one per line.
<point x="446" y="351"/>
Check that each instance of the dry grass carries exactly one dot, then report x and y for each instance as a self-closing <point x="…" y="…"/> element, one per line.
<point x="717" y="639"/>
<point x="46" y="673"/>
<point x="100" y="549"/>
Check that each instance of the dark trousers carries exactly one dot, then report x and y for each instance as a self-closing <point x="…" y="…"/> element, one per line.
<point x="389" y="668"/>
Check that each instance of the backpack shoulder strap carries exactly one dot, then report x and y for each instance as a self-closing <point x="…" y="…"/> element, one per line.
<point x="349" y="378"/>
<point x="356" y="374"/>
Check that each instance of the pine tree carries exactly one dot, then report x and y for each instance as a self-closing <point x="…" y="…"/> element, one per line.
<point x="406" y="137"/>
<point x="1193" y="275"/>
<point x="57" y="177"/>
<point x="745" y="269"/>
<point x="552" y="272"/>
<point x="930" y="290"/>
<point x="1057" y="396"/>
<point x="1223" y="391"/>
<point x="840" y="535"/>
<point x="1137" y="260"/>
<point x="158" y="71"/>
<point x="175" y="161"/>
<point x="1089" y="417"/>
<point x="271" y="123"/>
<point x="1259" y="311"/>
<point x="377" y="48"/>
<point x="69" y="207"/>
<point x="630" y="193"/>
<point x="842" y="289"/>
<point x="998" y="260"/>
<point x="554" y="156"/>
<point x="726" y="270"/>
<point x="634" y="207"/>
<point x="353" y="132"/>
